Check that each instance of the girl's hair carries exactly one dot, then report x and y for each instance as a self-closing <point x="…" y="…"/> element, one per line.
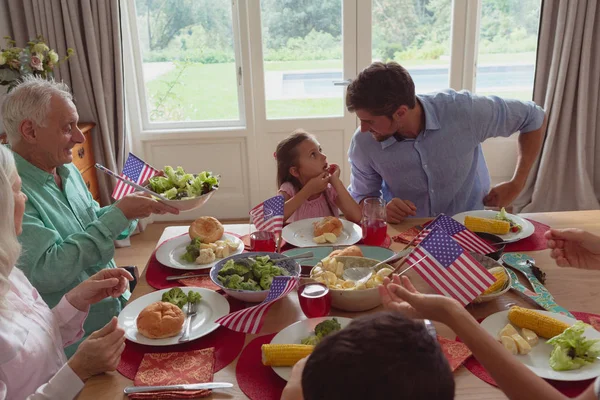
<point x="10" y="249"/>
<point x="287" y="156"/>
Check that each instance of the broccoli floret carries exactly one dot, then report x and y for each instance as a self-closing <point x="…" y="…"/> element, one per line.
<point x="265" y="282"/>
<point x="326" y="327"/>
<point x="192" y="251"/>
<point x="249" y="285"/>
<point x="233" y="282"/>
<point x="311" y="340"/>
<point x="175" y="296"/>
<point x="193" y="297"/>
<point x="263" y="260"/>
<point x="241" y="269"/>
<point x="228" y="268"/>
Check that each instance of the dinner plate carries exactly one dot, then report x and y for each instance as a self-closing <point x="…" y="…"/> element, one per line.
<point x="169" y="252"/>
<point x="526" y="231"/>
<point x="294" y="333"/>
<point x="300" y="233"/>
<point x="538" y="359"/>
<point x="211" y="307"/>
<point x="374" y="252"/>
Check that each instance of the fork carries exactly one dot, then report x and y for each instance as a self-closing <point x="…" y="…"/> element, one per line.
<point x="191" y="313"/>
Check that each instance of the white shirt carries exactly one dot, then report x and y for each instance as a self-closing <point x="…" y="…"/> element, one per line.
<point x="33" y="364"/>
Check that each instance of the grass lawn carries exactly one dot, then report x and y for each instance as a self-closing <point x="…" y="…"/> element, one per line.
<point x="209" y="91"/>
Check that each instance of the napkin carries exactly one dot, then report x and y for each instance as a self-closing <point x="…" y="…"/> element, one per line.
<point x="408" y="235"/>
<point x="595" y="322"/>
<point x="456" y="353"/>
<point x="175" y="368"/>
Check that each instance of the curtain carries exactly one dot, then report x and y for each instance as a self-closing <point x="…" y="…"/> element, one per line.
<point x="94" y="73"/>
<point x="566" y="175"/>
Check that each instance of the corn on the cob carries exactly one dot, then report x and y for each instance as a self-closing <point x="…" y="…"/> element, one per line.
<point x="541" y="324"/>
<point x="284" y="355"/>
<point x="494" y="226"/>
<point x="501" y="280"/>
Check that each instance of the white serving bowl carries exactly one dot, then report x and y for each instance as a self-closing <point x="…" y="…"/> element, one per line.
<point x="252" y="296"/>
<point x="190" y="204"/>
<point x="355" y="300"/>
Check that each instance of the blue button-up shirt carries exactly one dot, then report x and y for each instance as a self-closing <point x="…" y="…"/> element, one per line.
<point x="442" y="170"/>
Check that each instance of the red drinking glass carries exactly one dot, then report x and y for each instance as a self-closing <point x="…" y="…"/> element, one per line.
<point x="263" y="241"/>
<point x="374" y="222"/>
<point x="315" y="299"/>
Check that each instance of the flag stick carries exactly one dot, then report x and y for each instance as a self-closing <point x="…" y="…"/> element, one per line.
<point x="130" y="183"/>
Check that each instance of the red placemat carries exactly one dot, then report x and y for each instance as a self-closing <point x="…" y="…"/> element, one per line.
<point x="156" y="273"/>
<point x="257" y="381"/>
<point x="570" y="389"/>
<point x="537" y="241"/>
<point x="227" y="344"/>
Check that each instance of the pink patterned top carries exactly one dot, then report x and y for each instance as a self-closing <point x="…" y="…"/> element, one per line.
<point x="322" y="206"/>
<point x="33" y="364"/>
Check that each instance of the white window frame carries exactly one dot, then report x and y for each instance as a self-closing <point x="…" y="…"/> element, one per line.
<point x="133" y="64"/>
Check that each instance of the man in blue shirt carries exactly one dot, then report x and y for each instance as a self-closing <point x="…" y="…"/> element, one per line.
<point x="423" y="154"/>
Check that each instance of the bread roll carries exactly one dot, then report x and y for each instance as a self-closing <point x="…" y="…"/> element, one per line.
<point x="353" y="251"/>
<point x="328" y="225"/>
<point x="207" y="229"/>
<point x="160" y="320"/>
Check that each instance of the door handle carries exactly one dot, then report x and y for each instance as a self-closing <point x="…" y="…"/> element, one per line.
<point x="342" y="83"/>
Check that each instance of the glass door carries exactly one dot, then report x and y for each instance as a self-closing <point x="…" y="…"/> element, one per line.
<point x="302" y="52"/>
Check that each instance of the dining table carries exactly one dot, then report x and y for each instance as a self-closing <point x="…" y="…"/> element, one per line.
<point x="573" y="289"/>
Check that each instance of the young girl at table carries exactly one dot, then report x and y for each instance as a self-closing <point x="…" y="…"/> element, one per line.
<point x="311" y="187"/>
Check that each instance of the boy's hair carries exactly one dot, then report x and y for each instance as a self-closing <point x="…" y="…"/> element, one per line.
<point x="378" y="356"/>
<point x="380" y="89"/>
<point x="287" y="156"/>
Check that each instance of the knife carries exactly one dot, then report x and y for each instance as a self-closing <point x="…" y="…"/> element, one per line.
<point x="177" y="277"/>
<point x="189" y="386"/>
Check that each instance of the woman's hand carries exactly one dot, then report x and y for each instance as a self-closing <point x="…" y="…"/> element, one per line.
<point x="574" y="248"/>
<point x="100" y="352"/>
<point x="110" y="282"/>
<point x="400" y="295"/>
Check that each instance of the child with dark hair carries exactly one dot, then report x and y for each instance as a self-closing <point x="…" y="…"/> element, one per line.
<point x="311" y="187"/>
<point x="377" y="356"/>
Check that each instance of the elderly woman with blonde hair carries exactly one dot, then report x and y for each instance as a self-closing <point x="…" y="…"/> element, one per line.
<point x="33" y="364"/>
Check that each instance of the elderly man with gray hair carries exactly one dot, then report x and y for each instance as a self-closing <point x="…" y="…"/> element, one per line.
<point x="67" y="237"/>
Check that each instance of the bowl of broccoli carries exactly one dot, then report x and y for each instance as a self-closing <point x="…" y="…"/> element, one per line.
<point x="184" y="191"/>
<point x="248" y="276"/>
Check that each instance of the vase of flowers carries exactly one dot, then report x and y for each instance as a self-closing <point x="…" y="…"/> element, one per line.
<point x="34" y="59"/>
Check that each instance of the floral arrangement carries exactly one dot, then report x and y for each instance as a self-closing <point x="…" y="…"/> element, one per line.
<point x="34" y="59"/>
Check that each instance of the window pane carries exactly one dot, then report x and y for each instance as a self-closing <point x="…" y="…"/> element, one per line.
<point x="188" y="59"/>
<point x="302" y="50"/>
<point x="416" y="34"/>
<point x="507" y="48"/>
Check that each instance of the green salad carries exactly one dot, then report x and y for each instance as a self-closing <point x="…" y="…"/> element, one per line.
<point x="321" y="330"/>
<point x="257" y="274"/>
<point x="572" y="350"/>
<point x="503" y="216"/>
<point x="179" y="185"/>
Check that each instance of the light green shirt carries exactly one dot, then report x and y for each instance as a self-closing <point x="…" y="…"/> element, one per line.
<point x="67" y="237"/>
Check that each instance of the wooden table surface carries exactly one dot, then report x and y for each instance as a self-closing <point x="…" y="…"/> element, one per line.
<point x="571" y="288"/>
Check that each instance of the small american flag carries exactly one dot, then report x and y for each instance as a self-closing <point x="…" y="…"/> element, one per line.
<point x="447" y="268"/>
<point x="134" y="170"/>
<point x="250" y="320"/>
<point x="467" y="239"/>
<point x="268" y="216"/>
